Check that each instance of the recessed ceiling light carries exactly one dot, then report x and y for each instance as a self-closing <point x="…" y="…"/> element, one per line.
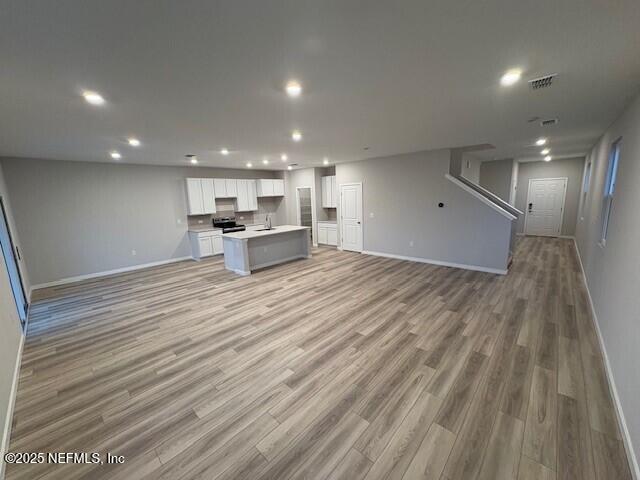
<point x="547" y="158"/>
<point x="325" y="161"/>
<point x="284" y="157"/>
<point x="224" y="151"/>
<point x="249" y="164"/>
<point x="510" y="77"/>
<point x="265" y="161"/>
<point x="194" y="160"/>
<point x="289" y="167"/>
<point x="541" y="141"/>
<point x="296" y="136"/>
<point x="134" y="142"/>
<point x="93" y="98"/>
<point x="293" y="88"/>
<point x="545" y="151"/>
<point x="115" y="155"/>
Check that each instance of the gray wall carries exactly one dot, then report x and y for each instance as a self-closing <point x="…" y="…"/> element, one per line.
<point x="572" y="168"/>
<point x="613" y="271"/>
<point x="402" y="192"/>
<point x="305" y="177"/>
<point x="10" y="338"/>
<point x="495" y="176"/>
<point x="78" y="218"/>
<point x="470" y="167"/>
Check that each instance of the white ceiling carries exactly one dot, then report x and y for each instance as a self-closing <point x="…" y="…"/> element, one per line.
<point x="194" y="76"/>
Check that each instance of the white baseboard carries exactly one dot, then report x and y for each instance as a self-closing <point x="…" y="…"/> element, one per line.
<point x="570" y="237"/>
<point x="6" y="435"/>
<point x="626" y="437"/>
<point x="437" y="262"/>
<point x="89" y="276"/>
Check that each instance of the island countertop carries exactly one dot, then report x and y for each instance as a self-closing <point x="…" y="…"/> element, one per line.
<point x="248" y="234"/>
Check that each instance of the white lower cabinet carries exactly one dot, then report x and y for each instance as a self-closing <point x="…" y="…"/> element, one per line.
<point x="328" y="233"/>
<point x="205" y="244"/>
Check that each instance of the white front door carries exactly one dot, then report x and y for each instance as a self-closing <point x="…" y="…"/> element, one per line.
<point x="545" y="205"/>
<point x="351" y="216"/>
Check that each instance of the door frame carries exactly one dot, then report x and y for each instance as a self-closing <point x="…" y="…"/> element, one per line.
<point x="313" y="212"/>
<point x="564" y="197"/>
<point x="339" y="212"/>
<point x="15" y="256"/>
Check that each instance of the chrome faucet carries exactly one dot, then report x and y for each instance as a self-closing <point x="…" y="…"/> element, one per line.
<point x="267" y="221"/>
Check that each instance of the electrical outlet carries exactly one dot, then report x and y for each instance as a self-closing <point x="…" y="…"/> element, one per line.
<point x="411" y="243"/>
<point x="134" y="253"/>
<point x="241" y="218"/>
<point x="201" y="221"/>
<point x="371" y="215"/>
<point x="179" y="221"/>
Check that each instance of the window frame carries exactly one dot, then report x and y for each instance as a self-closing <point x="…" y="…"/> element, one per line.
<point x="610" y="189"/>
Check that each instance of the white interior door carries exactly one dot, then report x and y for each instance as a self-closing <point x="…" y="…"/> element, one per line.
<point x="351" y="216"/>
<point x="545" y="206"/>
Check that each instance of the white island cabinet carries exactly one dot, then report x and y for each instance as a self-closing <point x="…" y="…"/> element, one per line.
<point x="247" y="251"/>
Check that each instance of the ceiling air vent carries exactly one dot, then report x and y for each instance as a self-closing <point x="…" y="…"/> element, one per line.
<point x="542" y="82"/>
<point x="548" y="122"/>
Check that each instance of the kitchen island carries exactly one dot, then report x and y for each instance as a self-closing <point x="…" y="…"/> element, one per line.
<point x="250" y="250"/>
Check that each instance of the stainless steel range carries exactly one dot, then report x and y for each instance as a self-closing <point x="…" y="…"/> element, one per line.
<point x="227" y="224"/>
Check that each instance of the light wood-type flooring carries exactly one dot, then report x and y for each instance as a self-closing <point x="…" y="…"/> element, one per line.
<point x="344" y="366"/>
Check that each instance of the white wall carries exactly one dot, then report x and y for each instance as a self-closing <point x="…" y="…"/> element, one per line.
<point x="79" y="218"/>
<point x="613" y="272"/>
<point x="402" y="192"/>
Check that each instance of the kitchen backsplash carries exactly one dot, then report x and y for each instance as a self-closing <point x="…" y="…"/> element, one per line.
<point x="225" y="208"/>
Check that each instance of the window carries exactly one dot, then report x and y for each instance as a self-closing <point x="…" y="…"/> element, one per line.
<point x="610" y="188"/>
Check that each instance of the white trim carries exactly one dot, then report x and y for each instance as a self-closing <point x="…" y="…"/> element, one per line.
<point x="437" y="262"/>
<point x="88" y="276"/>
<point x="6" y="435"/>
<point x="480" y="197"/>
<point x="622" y="423"/>
<point x="564" y="197"/>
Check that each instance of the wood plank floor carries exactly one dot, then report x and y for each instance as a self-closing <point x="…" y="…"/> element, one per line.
<point x="344" y="366"/>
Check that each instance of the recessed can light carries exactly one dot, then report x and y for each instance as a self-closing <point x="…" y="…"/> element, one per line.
<point x="296" y="135"/>
<point x="545" y="151"/>
<point x="194" y="160"/>
<point x="265" y="161"/>
<point x="94" y="98"/>
<point x="134" y="142"/>
<point x="284" y="157"/>
<point x="289" y="167"/>
<point x="325" y="161"/>
<point x="541" y="141"/>
<point x="115" y="155"/>
<point x="548" y="158"/>
<point x="249" y="164"/>
<point x="224" y="151"/>
<point x="511" y="77"/>
<point x="293" y="88"/>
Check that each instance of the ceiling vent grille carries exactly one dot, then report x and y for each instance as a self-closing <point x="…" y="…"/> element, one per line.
<point x="542" y="82"/>
<point x="548" y="122"/>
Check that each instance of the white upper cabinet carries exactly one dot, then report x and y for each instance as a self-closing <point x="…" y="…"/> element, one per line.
<point x="226" y="187"/>
<point x="247" y="198"/>
<point x="329" y="192"/>
<point x="278" y="187"/>
<point x="200" y="196"/>
<point x="270" y="187"/>
<point x="232" y="187"/>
